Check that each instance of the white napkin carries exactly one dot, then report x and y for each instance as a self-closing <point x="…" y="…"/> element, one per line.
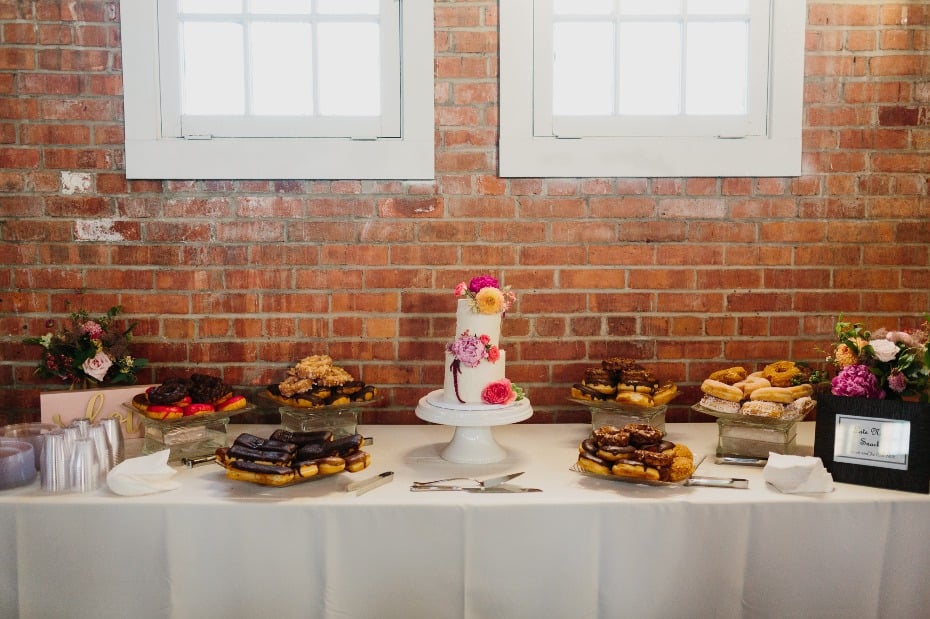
<point x="797" y="474"/>
<point x="144" y="475"/>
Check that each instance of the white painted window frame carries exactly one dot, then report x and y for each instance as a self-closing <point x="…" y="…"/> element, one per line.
<point x="151" y="154"/>
<point x="777" y="152"/>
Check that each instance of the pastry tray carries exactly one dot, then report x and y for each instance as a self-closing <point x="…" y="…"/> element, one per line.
<point x="294" y="482"/>
<point x="639" y="480"/>
<point x="771" y="422"/>
<point x="320" y="409"/>
<point x="190" y="420"/>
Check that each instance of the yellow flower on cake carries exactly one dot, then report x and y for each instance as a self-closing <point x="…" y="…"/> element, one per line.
<point x="489" y="301"/>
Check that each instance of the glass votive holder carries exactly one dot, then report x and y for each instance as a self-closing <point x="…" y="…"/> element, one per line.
<point x="33" y="433"/>
<point x="17" y="463"/>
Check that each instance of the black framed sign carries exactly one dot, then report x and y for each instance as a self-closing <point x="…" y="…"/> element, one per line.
<point x="878" y="443"/>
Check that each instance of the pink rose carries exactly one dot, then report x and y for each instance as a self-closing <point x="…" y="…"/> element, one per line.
<point x="460" y="289"/>
<point x="97" y="366"/>
<point x="498" y="392"/>
<point x="494" y="353"/>
<point x="485" y="338"/>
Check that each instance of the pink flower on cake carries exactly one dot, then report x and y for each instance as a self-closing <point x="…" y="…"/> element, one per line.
<point x="467" y="349"/>
<point x="499" y="392"/>
<point x="485" y="295"/>
<point x="489" y="301"/>
<point x="494" y="354"/>
<point x="482" y="281"/>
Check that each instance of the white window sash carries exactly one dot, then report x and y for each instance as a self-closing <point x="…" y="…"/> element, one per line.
<point x="153" y="152"/>
<point x="777" y="152"/>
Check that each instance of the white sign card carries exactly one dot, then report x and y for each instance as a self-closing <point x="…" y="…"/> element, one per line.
<point x="871" y="441"/>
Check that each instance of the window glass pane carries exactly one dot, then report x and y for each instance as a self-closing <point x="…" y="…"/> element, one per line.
<point x="282" y="87"/>
<point x="650" y="7"/>
<point x="211" y="6"/>
<point x="348" y="7"/>
<point x="213" y="80"/>
<point x="583" y="68"/>
<point x="718" y="7"/>
<point x="349" y="69"/>
<point x="717" y="77"/>
<point x="274" y="7"/>
<point x="582" y="7"/>
<point x="653" y="87"/>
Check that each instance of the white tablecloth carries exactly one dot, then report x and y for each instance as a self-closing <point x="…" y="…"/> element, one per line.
<point x="583" y="547"/>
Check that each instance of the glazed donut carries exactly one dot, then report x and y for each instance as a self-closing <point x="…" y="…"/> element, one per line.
<point x="780" y="373"/>
<point x="751" y="384"/>
<point x="231" y="403"/>
<point x="265" y="474"/>
<point x="160" y="411"/>
<point x="729" y="376"/>
<point x="653" y="458"/>
<point x="589" y="445"/>
<point x="583" y="392"/>
<point x="140" y="402"/>
<point x="665" y="393"/>
<point x="660" y="446"/>
<point x="593" y="464"/>
<point x="620" y="438"/>
<point x="357" y="461"/>
<point x="632" y="468"/>
<point x="307" y="469"/>
<point x="643" y="434"/>
<point x="718" y="405"/>
<point x="773" y="394"/>
<point x="634" y="398"/>
<point x="169" y="392"/>
<point x="799" y="408"/>
<point x="261" y="455"/>
<point x="613" y="453"/>
<point x="681" y="468"/>
<point x="331" y="465"/>
<point x="721" y="390"/>
<point x="599" y="380"/>
<point x="762" y="408"/>
<point x="804" y="390"/>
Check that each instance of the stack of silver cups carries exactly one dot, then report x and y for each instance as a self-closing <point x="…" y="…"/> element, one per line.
<point x="77" y="458"/>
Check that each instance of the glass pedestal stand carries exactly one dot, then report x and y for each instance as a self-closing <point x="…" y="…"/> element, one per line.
<point x="473" y="441"/>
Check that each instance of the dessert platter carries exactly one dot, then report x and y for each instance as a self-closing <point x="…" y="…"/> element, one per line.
<point x="757" y="413"/>
<point x="635" y="453"/>
<point x="476" y="395"/>
<point x="187" y="415"/>
<point x="622" y="391"/>
<point x="286" y="458"/>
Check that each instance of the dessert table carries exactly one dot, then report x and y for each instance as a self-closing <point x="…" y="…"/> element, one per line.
<point x="583" y="547"/>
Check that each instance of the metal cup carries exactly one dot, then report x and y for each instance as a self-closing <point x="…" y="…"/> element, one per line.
<point x="54" y="469"/>
<point x="115" y="437"/>
<point x="99" y="435"/>
<point x="85" y="466"/>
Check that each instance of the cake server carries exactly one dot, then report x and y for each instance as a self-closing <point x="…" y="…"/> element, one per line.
<point x="487" y="483"/>
<point x="718" y="482"/>
<point x="473" y="489"/>
<point x="367" y="485"/>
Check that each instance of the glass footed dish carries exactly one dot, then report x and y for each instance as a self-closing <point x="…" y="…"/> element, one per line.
<point x="639" y="480"/>
<point x="770" y="422"/>
<point x="627" y="409"/>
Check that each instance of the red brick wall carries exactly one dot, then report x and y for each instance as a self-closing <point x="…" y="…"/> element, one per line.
<point x="243" y="278"/>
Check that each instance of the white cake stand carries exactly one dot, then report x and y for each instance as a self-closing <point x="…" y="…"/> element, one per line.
<point x="473" y="442"/>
